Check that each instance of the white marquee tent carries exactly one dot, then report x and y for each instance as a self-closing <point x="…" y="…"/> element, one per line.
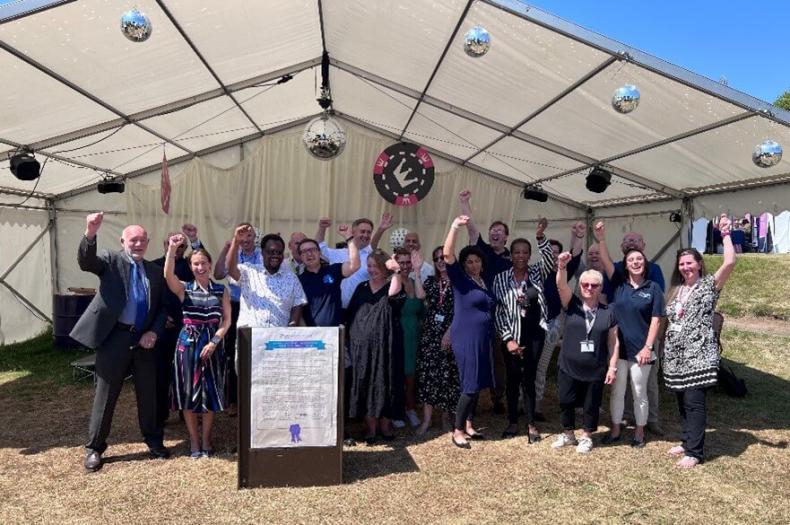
<point x="206" y="89"/>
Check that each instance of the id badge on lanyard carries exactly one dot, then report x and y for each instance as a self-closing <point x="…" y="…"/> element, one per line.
<point x="588" y="346"/>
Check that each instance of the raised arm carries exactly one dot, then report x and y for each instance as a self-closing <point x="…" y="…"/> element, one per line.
<point x="353" y="262"/>
<point x="466" y="209"/>
<point x="578" y="233"/>
<point x="416" y="263"/>
<point x="86" y="255"/>
<point x="600" y="236"/>
<point x="562" y="279"/>
<point x="173" y="282"/>
<point x="232" y="259"/>
<point x="724" y="271"/>
<point x="320" y="233"/>
<point x="395" y="281"/>
<point x="384" y="225"/>
<point x="544" y="248"/>
<point x="220" y="270"/>
<point x="448" y="250"/>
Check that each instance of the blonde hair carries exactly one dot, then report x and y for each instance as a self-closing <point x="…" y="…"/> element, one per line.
<point x="591" y="275"/>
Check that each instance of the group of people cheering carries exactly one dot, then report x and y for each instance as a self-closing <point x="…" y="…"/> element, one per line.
<point x="435" y="335"/>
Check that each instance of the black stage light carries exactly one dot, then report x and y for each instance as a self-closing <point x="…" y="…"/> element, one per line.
<point x="111" y="186"/>
<point x="598" y="180"/>
<point x="24" y="166"/>
<point x="534" y="193"/>
<point x="675" y="217"/>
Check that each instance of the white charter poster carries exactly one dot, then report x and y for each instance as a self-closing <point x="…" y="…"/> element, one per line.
<point x="293" y="387"/>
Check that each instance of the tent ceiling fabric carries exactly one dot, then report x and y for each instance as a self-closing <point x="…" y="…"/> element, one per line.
<point x="536" y="107"/>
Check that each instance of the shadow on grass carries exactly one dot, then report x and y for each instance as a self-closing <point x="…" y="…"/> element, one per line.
<point x="361" y="462"/>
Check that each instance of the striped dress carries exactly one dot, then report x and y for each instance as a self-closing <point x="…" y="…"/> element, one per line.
<point x="199" y="385"/>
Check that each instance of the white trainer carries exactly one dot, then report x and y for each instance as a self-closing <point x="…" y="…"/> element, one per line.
<point x="563" y="440"/>
<point x="398" y="423"/>
<point x="585" y="445"/>
<point x="414" y="421"/>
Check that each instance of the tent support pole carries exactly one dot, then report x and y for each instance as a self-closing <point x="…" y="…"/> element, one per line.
<point x="666" y="246"/>
<point x="22" y="299"/>
<point x="53" y="246"/>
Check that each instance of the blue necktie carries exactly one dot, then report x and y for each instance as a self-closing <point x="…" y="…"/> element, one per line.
<point x="140" y="297"/>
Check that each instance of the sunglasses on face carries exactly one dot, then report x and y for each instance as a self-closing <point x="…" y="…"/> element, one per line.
<point x="591" y="286"/>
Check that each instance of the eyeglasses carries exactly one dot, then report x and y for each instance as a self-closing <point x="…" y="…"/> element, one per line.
<point x="308" y="250"/>
<point x="591" y="286"/>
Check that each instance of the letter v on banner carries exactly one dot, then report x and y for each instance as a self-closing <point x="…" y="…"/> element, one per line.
<point x="165" y="187"/>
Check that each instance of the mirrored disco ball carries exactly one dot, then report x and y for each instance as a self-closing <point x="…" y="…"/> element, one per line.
<point x="136" y="26"/>
<point x="398" y="237"/>
<point x="477" y="42"/>
<point x="626" y="99"/>
<point x="323" y="138"/>
<point x="767" y="154"/>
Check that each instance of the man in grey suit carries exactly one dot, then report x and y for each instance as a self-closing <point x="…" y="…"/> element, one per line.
<point x="122" y="324"/>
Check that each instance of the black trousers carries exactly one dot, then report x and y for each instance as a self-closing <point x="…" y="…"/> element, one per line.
<point x="691" y="403"/>
<point x="467" y="406"/>
<point x="232" y="382"/>
<point x="114" y="359"/>
<point x="573" y="393"/>
<point x="165" y="351"/>
<point x="521" y="372"/>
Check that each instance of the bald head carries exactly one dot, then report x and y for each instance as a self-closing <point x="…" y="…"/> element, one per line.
<point x="293" y="245"/>
<point x="134" y="241"/>
<point x="412" y="242"/>
<point x="632" y="241"/>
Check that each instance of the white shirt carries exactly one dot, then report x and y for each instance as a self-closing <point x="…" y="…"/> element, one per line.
<point x="699" y="234"/>
<point x="266" y="298"/>
<point x="350" y="283"/>
<point x="781" y="232"/>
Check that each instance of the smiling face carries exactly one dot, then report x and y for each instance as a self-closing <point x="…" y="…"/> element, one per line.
<point x="412" y="242"/>
<point x="362" y="233"/>
<point x="438" y="261"/>
<point x="689" y="267"/>
<point x="590" y="283"/>
<point x="200" y="265"/>
<point x="404" y="261"/>
<point x="594" y="257"/>
<point x="247" y="241"/>
<point x="273" y="255"/>
<point x="635" y="263"/>
<point x="293" y="245"/>
<point x="134" y="241"/>
<point x="520" y="254"/>
<point x="497" y="236"/>
<point x="376" y="272"/>
<point x="632" y="241"/>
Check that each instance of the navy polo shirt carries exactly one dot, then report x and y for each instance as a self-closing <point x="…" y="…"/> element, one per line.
<point x="634" y="308"/>
<point x="654" y="273"/>
<point x="322" y="290"/>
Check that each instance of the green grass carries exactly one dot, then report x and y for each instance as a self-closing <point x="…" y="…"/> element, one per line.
<point x="30" y="367"/>
<point x="759" y="286"/>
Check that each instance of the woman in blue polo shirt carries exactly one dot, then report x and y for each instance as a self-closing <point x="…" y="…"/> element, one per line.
<point x="638" y="306"/>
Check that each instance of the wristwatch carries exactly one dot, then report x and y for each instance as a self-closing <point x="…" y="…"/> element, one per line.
<point x="216" y="340"/>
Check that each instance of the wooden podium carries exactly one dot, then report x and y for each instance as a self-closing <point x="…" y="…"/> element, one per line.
<point x="290" y="463"/>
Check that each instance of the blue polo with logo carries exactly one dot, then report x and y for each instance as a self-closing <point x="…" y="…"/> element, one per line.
<point x="322" y="289"/>
<point x="634" y="308"/>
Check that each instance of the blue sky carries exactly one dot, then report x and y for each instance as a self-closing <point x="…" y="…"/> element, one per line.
<point x="746" y="42"/>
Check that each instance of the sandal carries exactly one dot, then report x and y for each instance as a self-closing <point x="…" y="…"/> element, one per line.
<point x="677" y="450"/>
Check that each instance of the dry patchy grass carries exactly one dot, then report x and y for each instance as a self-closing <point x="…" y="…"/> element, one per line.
<point x="416" y="481"/>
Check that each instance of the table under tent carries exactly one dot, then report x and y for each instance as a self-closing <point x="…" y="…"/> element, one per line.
<point x="506" y="100"/>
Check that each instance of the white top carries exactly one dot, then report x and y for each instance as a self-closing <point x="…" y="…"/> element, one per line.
<point x="781" y="232"/>
<point x="266" y="298"/>
<point x="350" y="283"/>
<point x="699" y="234"/>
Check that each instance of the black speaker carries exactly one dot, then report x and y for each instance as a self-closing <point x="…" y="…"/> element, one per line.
<point x="675" y="217"/>
<point x="598" y="180"/>
<point x="111" y="186"/>
<point x="24" y="166"/>
<point x="533" y="193"/>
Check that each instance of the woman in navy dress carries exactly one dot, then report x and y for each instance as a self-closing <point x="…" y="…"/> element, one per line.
<point x="199" y="371"/>
<point x="471" y="332"/>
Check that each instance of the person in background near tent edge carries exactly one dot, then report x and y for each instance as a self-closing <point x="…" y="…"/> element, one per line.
<point x="638" y="307"/>
<point x="199" y="362"/>
<point x="294" y="261"/>
<point x="166" y="344"/>
<point x="361" y="231"/>
<point x="692" y="353"/>
<point x="122" y="324"/>
<point x="497" y="261"/>
<point x="248" y="254"/>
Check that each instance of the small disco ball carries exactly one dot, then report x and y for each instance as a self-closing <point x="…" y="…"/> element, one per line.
<point x="477" y="42"/>
<point x="323" y="138"/>
<point x="767" y="154"/>
<point x="136" y="26"/>
<point x="398" y="237"/>
<point x="626" y="99"/>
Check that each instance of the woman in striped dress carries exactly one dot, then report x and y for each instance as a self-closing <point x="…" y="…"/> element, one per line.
<point x="198" y="366"/>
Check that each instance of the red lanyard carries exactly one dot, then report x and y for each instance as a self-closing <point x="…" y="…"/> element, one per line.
<point x="443" y="286"/>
